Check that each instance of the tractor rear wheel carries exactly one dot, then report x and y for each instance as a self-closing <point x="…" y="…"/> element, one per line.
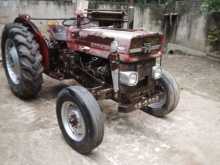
<point x="21" y="61"/>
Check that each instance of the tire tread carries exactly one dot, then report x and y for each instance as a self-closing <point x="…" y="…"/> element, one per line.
<point x="29" y="57"/>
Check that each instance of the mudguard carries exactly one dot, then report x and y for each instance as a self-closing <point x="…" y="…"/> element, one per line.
<point x="26" y="21"/>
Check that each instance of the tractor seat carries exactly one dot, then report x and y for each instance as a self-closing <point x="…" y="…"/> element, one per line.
<point x="59" y="33"/>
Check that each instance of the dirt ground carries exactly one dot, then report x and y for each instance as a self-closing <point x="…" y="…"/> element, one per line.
<point x="188" y="136"/>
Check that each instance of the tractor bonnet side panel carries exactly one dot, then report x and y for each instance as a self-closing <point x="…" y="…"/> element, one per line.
<point x="97" y="42"/>
<point x="90" y="43"/>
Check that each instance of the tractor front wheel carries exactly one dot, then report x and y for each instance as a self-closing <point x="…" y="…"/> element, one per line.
<point x="168" y="98"/>
<point x="80" y="119"/>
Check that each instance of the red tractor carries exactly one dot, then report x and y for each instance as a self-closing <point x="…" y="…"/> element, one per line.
<point x="109" y="61"/>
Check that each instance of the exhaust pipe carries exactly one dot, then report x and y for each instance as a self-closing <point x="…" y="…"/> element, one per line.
<point x="131" y="14"/>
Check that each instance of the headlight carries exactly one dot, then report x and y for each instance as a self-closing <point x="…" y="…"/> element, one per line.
<point x="114" y="46"/>
<point x="156" y="72"/>
<point x="129" y="78"/>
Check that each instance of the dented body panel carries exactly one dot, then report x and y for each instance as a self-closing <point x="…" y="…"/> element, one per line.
<point x="85" y="54"/>
<point x="97" y="41"/>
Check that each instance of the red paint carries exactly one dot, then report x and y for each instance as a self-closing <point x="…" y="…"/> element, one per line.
<point x="102" y="39"/>
<point x="81" y="40"/>
<point x="43" y="49"/>
<point x="162" y="42"/>
<point x="26" y="20"/>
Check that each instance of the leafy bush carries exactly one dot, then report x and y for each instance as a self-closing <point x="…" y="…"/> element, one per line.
<point x="214" y="38"/>
<point x="211" y="5"/>
<point x="214" y="35"/>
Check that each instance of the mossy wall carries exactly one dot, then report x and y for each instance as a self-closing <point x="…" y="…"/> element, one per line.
<point x="188" y="28"/>
<point x="9" y="9"/>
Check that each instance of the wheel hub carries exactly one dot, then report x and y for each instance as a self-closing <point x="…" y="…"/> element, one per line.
<point x="12" y="61"/>
<point x="160" y="100"/>
<point x="73" y="121"/>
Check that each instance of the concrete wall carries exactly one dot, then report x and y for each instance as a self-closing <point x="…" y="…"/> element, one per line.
<point x="190" y="32"/>
<point x="146" y="19"/>
<point x="190" y="29"/>
<point x="9" y="9"/>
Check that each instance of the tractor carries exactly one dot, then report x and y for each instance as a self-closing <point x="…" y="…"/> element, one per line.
<point x="108" y="60"/>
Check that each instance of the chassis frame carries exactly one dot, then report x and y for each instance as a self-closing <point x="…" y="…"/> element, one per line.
<point x="103" y="90"/>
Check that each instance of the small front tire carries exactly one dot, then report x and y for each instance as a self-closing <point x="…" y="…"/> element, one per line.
<point x="80" y="119"/>
<point x="170" y="98"/>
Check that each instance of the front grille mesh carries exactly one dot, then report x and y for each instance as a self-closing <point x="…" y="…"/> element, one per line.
<point x="139" y="42"/>
<point x="153" y="41"/>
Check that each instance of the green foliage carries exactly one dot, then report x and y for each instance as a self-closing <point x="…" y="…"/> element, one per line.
<point x="140" y="3"/>
<point x="214" y="36"/>
<point x="211" y="5"/>
<point x="144" y="2"/>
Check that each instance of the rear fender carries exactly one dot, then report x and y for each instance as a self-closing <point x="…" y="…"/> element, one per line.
<point x="26" y="21"/>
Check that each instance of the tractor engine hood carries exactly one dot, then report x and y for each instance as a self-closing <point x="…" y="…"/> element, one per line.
<point x="130" y="42"/>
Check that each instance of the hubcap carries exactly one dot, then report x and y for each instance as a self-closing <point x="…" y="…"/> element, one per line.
<point x="73" y="121"/>
<point x="161" y="100"/>
<point x="12" y="61"/>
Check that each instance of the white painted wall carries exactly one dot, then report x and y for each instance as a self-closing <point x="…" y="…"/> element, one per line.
<point x="9" y="9"/>
<point x="190" y="32"/>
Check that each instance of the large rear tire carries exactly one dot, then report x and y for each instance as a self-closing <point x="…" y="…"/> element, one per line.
<point x="21" y="61"/>
<point x="170" y="97"/>
<point x="80" y="119"/>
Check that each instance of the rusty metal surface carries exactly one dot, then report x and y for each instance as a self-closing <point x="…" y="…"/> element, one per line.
<point x="98" y="40"/>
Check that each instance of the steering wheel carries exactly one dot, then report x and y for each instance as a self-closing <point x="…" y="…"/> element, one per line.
<point x="69" y="22"/>
<point x="73" y="21"/>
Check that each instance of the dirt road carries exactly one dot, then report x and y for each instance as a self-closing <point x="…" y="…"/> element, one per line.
<point x="188" y="136"/>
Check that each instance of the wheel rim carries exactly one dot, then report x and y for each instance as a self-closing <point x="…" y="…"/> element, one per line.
<point x="12" y="61"/>
<point x="162" y="99"/>
<point x="73" y="121"/>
